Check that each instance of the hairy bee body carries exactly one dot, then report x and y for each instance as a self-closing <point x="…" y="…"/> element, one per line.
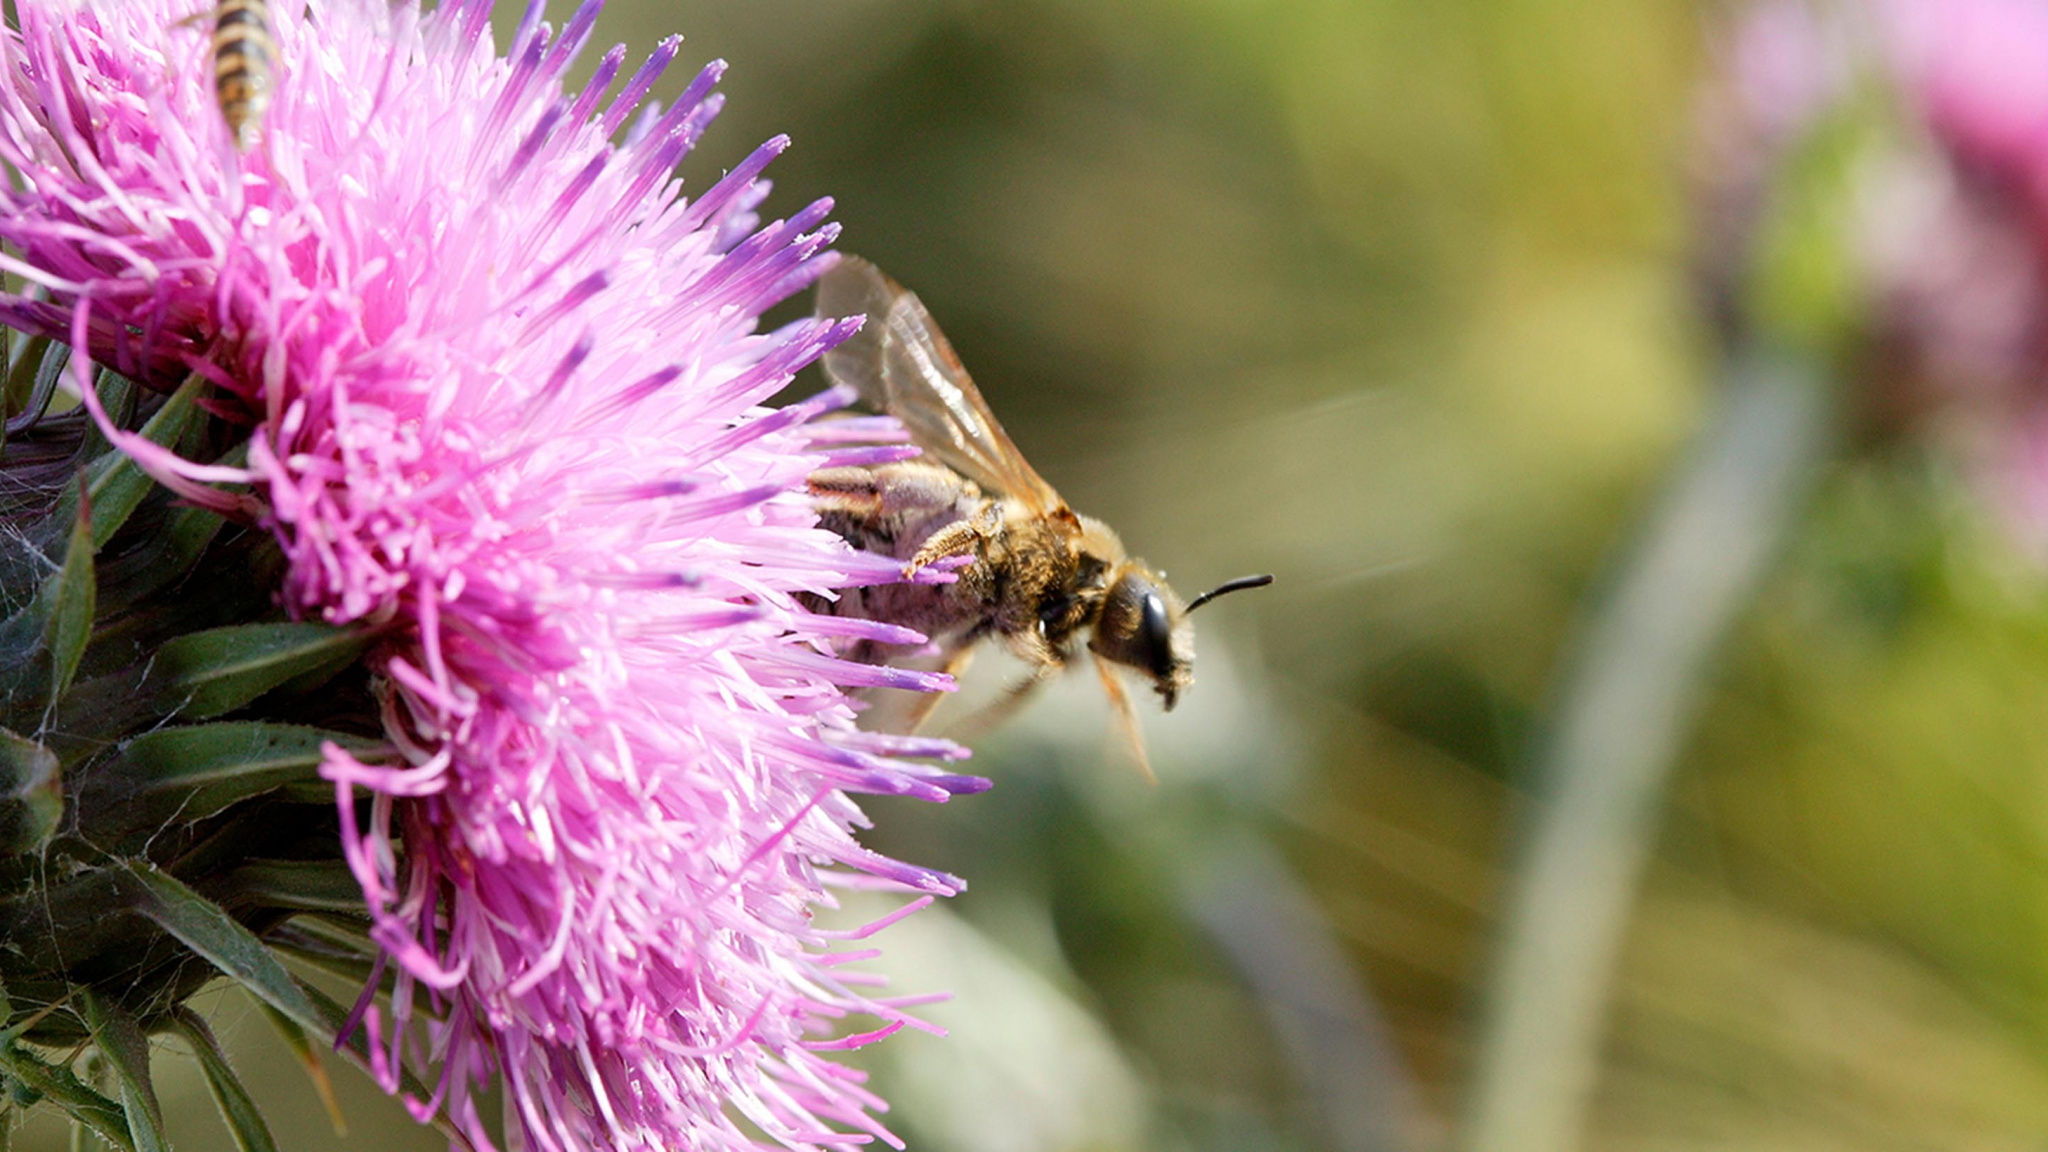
<point x="1030" y="582"/>
<point x="242" y="51"/>
<point x="1029" y="571"/>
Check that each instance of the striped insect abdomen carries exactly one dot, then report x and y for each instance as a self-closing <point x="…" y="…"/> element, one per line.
<point x="242" y="48"/>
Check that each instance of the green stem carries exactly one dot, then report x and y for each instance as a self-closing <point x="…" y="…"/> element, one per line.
<point x="1613" y="732"/>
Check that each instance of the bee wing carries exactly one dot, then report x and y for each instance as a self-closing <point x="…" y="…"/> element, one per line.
<point x="901" y="365"/>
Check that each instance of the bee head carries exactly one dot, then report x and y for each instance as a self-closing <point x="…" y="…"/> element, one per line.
<point x="1144" y="626"/>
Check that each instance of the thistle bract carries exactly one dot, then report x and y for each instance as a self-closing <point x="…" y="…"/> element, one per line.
<point x="470" y="657"/>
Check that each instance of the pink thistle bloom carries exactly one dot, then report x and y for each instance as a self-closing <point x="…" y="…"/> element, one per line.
<point x="1964" y="258"/>
<point x="1951" y="219"/>
<point x="504" y="386"/>
<point x="1975" y="70"/>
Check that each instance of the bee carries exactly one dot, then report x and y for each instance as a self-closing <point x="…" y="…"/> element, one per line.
<point x="242" y="49"/>
<point x="1037" y="575"/>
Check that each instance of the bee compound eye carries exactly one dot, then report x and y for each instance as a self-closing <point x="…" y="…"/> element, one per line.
<point x="1155" y="635"/>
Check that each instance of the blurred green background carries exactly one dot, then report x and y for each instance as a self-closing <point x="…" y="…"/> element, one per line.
<point x="1391" y="298"/>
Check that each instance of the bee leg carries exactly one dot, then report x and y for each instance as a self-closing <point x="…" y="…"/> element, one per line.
<point x="1046" y="662"/>
<point x="919" y="710"/>
<point x="962" y="538"/>
<point x="849" y="490"/>
<point x="1126" y="717"/>
<point x="992" y="714"/>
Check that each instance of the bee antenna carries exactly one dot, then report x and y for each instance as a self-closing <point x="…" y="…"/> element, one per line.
<point x="1237" y="585"/>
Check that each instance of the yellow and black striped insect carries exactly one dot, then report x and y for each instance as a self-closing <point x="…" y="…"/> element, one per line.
<point x="242" y="50"/>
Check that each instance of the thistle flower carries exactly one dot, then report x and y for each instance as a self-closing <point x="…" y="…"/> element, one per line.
<point x="498" y="385"/>
<point x="1928" y="202"/>
<point x="1976" y="301"/>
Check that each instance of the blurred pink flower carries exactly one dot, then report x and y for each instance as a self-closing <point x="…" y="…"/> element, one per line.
<point x="504" y="387"/>
<point x="1950" y="218"/>
<point x="1960" y="248"/>
<point x="1977" y="70"/>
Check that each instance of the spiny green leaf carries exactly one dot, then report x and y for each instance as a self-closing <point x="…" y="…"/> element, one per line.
<point x="115" y="484"/>
<point x="226" y="750"/>
<point x="73" y="590"/>
<point x="20" y="635"/>
<point x="57" y="619"/>
<point x="317" y="953"/>
<point x="118" y="396"/>
<point x="307" y="792"/>
<point x="205" y="674"/>
<point x="126" y="1051"/>
<point x="112" y="483"/>
<point x="206" y="767"/>
<point x="308" y="1054"/>
<point x="27" y="368"/>
<point x="167" y="557"/>
<point x="143" y="1125"/>
<point x="31" y="794"/>
<point x="237" y="1110"/>
<point x="23" y="678"/>
<point x="309" y="885"/>
<point x="60" y="1086"/>
<point x="208" y="930"/>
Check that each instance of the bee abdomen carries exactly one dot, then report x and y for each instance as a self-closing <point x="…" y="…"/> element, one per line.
<point x="242" y="49"/>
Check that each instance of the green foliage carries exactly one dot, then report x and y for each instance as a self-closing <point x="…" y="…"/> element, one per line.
<point x="208" y="930"/>
<point x="31" y="794"/>
<point x="38" y="1080"/>
<point x="197" y="771"/>
<point x="161" y="809"/>
<point x="211" y="673"/>
<point x="1807" y="287"/>
<point x="125" y="1050"/>
<point x="73" y="589"/>
<point x="245" y="1123"/>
